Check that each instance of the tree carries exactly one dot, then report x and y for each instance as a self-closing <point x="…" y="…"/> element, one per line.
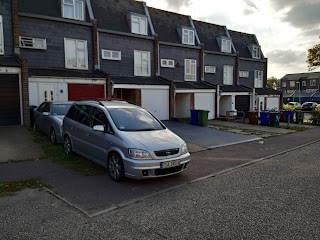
<point x="272" y="82"/>
<point x="314" y="57"/>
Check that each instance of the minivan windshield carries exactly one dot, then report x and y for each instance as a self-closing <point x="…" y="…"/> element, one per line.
<point x="134" y="119"/>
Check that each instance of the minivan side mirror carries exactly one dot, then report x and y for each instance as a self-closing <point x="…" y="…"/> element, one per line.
<point x="98" y="128"/>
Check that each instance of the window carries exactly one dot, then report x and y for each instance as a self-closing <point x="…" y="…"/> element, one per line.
<point x="76" y="55"/>
<point x="313" y="83"/>
<point x="139" y="25"/>
<point x="142" y="63"/>
<point x="225" y="45"/>
<point x="167" y="63"/>
<point x="284" y="84"/>
<point x="292" y="83"/>
<point x="227" y="75"/>
<point x="36" y="43"/>
<point x="244" y="74"/>
<point x="1" y="37"/>
<point x="258" y="79"/>
<point x="304" y="83"/>
<point x="256" y="52"/>
<point x="210" y="69"/>
<point x="190" y="69"/>
<point x="99" y="118"/>
<point x="73" y="9"/>
<point x="111" y="55"/>
<point x="187" y="36"/>
<point x="83" y="114"/>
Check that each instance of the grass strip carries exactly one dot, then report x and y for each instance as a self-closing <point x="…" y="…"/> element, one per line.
<point x="9" y="188"/>
<point x="72" y="162"/>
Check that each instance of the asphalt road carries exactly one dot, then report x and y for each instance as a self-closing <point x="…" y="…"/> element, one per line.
<point x="276" y="198"/>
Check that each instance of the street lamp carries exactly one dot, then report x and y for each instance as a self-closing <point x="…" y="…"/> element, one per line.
<point x="299" y="92"/>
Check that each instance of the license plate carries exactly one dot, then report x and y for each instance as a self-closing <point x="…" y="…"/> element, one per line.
<point x="169" y="164"/>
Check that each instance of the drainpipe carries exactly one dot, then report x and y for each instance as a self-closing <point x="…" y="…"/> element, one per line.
<point x="253" y="99"/>
<point x="218" y="102"/>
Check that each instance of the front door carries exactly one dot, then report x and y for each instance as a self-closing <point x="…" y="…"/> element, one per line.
<point x="46" y="92"/>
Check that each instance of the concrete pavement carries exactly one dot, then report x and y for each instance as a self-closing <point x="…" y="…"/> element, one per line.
<point x="16" y="144"/>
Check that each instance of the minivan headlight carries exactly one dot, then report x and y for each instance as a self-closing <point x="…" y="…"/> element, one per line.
<point x="139" y="154"/>
<point x="184" y="149"/>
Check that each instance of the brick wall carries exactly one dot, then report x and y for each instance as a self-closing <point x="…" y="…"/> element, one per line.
<point x="25" y="93"/>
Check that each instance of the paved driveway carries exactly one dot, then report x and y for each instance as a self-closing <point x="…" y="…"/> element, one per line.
<point x="203" y="137"/>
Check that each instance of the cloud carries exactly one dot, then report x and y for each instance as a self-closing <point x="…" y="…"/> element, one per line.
<point x="300" y="14"/>
<point x="178" y="4"/>
<point x="251" y="4"/>
<point x="287" y="57"/>
<point x="248" y="11"/>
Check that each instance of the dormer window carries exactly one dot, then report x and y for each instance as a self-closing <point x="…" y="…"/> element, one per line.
<point x="73" y="9"/>
<point x="187" y="36"/>
<point x="256" y="53"/>
<point x="226" y="45"/>
<point x="139" y="25"/>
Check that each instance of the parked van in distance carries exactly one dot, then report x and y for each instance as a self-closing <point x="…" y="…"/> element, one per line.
<point x="125" y="138"/>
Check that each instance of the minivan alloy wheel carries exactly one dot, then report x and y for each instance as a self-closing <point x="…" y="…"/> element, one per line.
<point x="115" y="167"/>
<point x="67" y="146"/>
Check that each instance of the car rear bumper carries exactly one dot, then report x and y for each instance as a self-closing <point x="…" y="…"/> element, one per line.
<point x="152" y="168"/>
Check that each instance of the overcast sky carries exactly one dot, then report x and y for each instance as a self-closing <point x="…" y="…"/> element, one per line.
<point x="285" y="29"/>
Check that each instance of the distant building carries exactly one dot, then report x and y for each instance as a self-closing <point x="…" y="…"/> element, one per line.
<point x="301" y="87"/>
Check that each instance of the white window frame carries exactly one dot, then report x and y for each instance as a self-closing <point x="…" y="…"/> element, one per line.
<point x="167" y="63"/>
<point x="210" y="69"/>
<point x="190" y="70"/>
<point x="313" y="83"/>
<point x="142" y="66"/>
<point x="284" y="84"/>
<point x="303" y="83"/>
<point x="143" y="30"/>
<point x="77" y="51"/>
<point x="244" y="74"/>
<point x="256" y="52"/>
<point x="73" y="5"/>
<point x="188" y="36"/>
<point x="227" y="74"/>
<point x="30" y="42"/>
<point x="258" y="79"/>
<point x="292" y="83"/>
<point x="225" y="45"/>
<point x="112" y="53"/>
<point x="1" y="37"/>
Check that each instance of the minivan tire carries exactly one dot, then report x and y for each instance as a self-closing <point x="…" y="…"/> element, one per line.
<point x="53" y="136"/>
<point x="67" y="146"/>
<point x="115" y="167"/>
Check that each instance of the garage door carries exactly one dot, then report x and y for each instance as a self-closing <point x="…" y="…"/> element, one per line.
<point x="85" y="91"/>
<point x="243" y="103"/>
<point x="9" y="100"/>
<point x="205" y="101"/>
<point x="156" y="102"/>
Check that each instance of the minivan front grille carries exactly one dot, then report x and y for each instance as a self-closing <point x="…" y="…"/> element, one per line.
<point x="166" y="171"/>
<point x="167" y="152"/>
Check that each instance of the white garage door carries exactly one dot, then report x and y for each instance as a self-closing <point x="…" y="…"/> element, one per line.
<point x="156" y="101"/>
<point x="205" y="101"/>
<point x="273" y="103"/>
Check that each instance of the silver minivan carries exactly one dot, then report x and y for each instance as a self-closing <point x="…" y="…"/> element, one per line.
<point x="125" y="138"/>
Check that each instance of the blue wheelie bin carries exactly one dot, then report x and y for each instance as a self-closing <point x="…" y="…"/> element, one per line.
<point x="264" y="118"/>
<point x="289" y="116"/>
<point x="194" y="117"/>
